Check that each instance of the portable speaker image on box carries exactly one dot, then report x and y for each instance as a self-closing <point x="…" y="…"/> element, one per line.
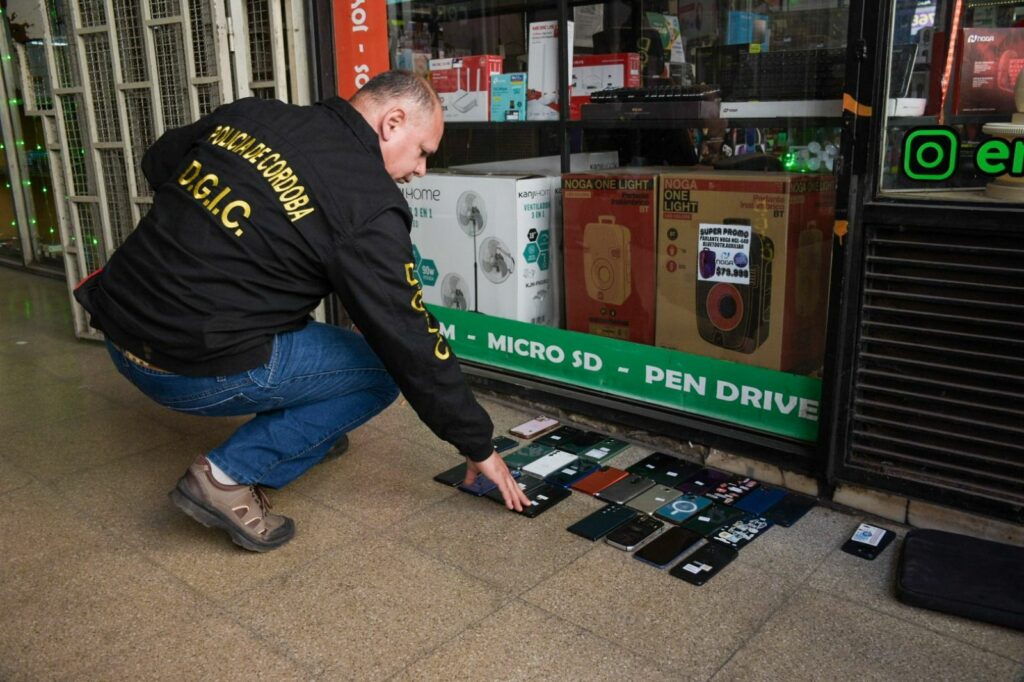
<point x="734" y="315"/>
<point x="606" y="260"/>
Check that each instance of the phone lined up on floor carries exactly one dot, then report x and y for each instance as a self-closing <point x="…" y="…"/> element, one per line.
<point x="537" y="426"/>
<point x="603" y="521"/>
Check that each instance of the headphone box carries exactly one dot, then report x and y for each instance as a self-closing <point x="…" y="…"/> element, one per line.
<point x="609" y="221"/>
<point x="464" y="85"/>
<point x="743" y="266"/>
<point x="483" y="242"/>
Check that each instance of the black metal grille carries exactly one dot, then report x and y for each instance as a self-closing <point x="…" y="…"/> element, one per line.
<point x="939" y="383"/>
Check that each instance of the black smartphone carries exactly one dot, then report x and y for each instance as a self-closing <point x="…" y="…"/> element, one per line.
<point x="526" y="482"/>
<point x="625" y="490"/>
<point x="667" y="547"/>
<point x="729" y="492"/>
<point x="527" y="455"/>
<point x="742" y="532"/>
<point x="561" y="438"/>
<point x="571" y="473"/>
<point x="544" y="497"/>
<point x="603" y="521"/>
<point x="503" y="443"/>
<point x="481" y="485"/>
<point x="453" y="476"/>
<point x="790" y="509"/>
<point x="868" y="541"/>
<point x="705" y="563"/>
<point x="633" y="533"/>
<point x="664" y="468"/>
<point x="707" y="521"/>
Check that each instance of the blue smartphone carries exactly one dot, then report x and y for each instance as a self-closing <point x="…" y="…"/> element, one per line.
<point x="683" y="508"/>
<point x="482" y="485"/>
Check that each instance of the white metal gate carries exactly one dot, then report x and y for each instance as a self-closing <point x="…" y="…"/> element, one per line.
<point x="118" y="73"/>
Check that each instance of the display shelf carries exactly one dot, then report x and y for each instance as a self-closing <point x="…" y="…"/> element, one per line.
<point x="807" y="108"/>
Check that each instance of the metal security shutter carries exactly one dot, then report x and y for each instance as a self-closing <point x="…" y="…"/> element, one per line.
<point x="121" y="73"/>
<point x="938" y="385"/>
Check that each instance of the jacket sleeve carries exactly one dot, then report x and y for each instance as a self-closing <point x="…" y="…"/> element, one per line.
<point x="372" y="272"/>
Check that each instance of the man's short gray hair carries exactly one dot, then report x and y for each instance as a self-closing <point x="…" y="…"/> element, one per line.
<point x="399" y="85"/>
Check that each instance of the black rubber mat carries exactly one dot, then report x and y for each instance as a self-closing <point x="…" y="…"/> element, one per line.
<point x="963" y="576"/>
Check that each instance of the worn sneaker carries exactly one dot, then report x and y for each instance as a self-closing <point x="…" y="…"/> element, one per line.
<point x="241" y="510"/>
<point x="337" y="450"/>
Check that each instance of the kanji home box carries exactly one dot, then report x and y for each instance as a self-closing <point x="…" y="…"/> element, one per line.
<point x="609" y="224"/>
<point x="483" y="242"/>
<point x="464" y="86"/>
<point x="990" y="59"/>
<point x="594" y="72"/>
<point x="743" y="264"/>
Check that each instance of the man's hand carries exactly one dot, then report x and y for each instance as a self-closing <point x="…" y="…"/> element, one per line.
<point x="496" y="470"/>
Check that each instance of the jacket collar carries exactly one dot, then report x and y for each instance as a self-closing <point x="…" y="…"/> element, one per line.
<point x="355" y="121"/>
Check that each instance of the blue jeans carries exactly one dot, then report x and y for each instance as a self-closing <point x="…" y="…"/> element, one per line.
<point x="320" y="383"/>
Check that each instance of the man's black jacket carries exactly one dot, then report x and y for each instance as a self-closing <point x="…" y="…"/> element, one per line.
<point x="260" y="210"/>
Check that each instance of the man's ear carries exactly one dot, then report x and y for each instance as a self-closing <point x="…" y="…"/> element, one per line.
<point x="393" y="119"/>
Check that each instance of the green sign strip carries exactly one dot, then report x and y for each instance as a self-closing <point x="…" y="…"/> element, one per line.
<point x="775" y="402"/>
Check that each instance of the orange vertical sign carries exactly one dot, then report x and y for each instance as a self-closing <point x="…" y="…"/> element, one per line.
<point x="360" y="42"/>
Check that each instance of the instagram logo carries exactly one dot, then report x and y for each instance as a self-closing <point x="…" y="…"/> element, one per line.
<point x="930" y="153"/>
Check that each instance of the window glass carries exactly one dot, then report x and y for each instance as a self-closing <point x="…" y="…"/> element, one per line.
<point x="682" y="256"/>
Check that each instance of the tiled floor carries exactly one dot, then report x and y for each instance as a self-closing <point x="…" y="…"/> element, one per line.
<point x="391" y="575"/>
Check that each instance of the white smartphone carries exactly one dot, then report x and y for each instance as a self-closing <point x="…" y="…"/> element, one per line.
<point x="537" y="426"/>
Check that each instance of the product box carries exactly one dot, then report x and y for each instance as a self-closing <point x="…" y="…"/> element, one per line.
<point x="464" y="85"/>
<point x="743" y="266"/>
<point x="989" y="59"/>
<point x="593" y="72"/>
<point x="508" y="96"/>
<point x="550" y="167"/>
<point x="542" y="97"/>
<point x="483" y="242"/>
<point x="609" y="227"/>
<point x="747" y="28"/>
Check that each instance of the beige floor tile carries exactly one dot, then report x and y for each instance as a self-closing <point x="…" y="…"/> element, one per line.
<point x="379" y="481"/>
<point x="819" y="634"/>
<point x="798" y="550"/>
<point x="400" y="420"/>
<point x="203" y="558"/>
<point x="872" y="584"/>
<point x="72" y="444"/>
<point x="366" y="610"/>
<point x="45" y="404"/>
<point x="496" y="545"/>
<point x="213" y="648"/>
<point x="78" y="595"/>
<point x="689" y="630"/>
<point x="11" y="477"/>
<point x="522" y="642"/>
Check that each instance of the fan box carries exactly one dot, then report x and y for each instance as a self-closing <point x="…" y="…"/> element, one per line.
<point x="483" y="242"/>
<point x="550" y="166"/>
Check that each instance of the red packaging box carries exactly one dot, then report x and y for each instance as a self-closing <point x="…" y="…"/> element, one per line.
<point x="989" y="61"/>
<point x="593" y="72"/>
<point x="610" y="228"/>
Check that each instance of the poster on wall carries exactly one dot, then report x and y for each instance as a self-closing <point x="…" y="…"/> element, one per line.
<point x="360" y="43"/>
<point x="775" y="402"/>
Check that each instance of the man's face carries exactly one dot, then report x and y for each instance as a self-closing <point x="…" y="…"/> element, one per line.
<point x="410" y="141"/>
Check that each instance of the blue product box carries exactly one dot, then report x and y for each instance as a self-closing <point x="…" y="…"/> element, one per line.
<point x="508" y="96"/>
<point x="747" y="28"/>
